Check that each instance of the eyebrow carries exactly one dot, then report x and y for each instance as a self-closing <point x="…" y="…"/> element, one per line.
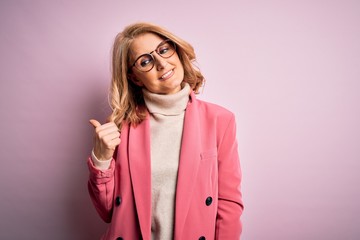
<point x="151" y="51"/>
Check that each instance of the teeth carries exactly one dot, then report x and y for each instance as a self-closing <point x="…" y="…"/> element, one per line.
<point x="166" y="74"/>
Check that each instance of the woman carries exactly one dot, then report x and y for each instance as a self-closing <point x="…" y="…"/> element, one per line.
<point x="174" y="171"/>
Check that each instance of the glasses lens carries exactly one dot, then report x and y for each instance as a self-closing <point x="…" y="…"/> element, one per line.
<point x="166" y="50"/>
<point x="145" y="62"/>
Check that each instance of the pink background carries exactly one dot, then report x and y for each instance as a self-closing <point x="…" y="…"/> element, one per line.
<point x="289" y="70"/>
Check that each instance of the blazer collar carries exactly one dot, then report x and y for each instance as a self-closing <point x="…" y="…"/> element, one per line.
<point x="188" y="165"/>
<point x="140" y="171"/>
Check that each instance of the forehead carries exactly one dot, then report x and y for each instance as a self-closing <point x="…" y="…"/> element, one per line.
<point x="144" y="43"/>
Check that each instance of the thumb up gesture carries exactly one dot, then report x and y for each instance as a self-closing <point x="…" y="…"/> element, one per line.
<point x="106" y="138"/>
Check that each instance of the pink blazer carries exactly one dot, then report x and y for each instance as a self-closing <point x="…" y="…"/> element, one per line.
<point x="208" y="196"/>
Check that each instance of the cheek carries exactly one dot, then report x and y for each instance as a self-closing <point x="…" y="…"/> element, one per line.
<point x="181" y="67"/>
<point x="146" y="78"/>
<point x="138" y="79"/>
<point x="179" y="64"/>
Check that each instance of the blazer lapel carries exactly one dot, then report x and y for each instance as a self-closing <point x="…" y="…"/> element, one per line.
<point x="188" y="165"/>
<point x="140" y="171"/>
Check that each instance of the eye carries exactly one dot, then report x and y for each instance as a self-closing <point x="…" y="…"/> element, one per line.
<point x="145" y="60"/>
<point x="164" y="49"/>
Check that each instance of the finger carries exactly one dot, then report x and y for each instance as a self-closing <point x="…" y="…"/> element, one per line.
<point x="111" y="145"/>
<point x="115" y="142"/>
<point x="107" y="140"/>
<point x="103" y="131"/>
<point x="95" y="123"/>
<point x="109" y="124"/>
<point x="111" y="136"/>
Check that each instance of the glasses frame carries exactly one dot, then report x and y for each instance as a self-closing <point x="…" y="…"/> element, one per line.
<point x="152" y="56"/>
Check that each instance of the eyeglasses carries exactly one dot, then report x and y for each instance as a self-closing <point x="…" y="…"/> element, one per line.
<point x="146" y="62"/>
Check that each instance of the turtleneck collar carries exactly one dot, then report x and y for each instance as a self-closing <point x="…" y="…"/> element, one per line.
<point x="171" y="104"/>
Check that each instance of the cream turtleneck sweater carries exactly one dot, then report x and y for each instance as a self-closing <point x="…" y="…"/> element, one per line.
<point x="166" y="125"/>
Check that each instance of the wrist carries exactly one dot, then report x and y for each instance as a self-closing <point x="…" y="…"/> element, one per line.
<point x="98" y="157"/>
<point x="100" y="164"/>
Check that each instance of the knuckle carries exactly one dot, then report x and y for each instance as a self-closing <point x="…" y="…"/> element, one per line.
<point x="105" y="139"/>
<point x="97" y="130"/>
<point x="99" y="134"/>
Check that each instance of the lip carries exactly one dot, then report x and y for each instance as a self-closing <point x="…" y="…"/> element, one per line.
<point x="167" y="75"/>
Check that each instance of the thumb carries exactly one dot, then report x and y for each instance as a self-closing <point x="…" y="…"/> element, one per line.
<point x="95" y="123"/>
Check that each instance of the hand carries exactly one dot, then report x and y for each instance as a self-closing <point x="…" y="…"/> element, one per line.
<point x="106" y="138"/>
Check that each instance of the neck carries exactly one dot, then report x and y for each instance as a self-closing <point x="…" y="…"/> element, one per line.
<point x="173" y="104"/>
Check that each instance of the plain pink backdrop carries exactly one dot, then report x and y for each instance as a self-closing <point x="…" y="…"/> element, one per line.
<point x="289" y="70"/>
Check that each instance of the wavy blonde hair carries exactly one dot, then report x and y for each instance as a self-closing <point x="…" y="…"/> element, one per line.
<point x="126" y="98"/>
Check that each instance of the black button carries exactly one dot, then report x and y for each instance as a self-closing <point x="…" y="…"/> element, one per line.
<point x="119" y="238"/>
<point x="208" y="201"/>
<point x="202" y="238"/>
<point x="117" y="200"/>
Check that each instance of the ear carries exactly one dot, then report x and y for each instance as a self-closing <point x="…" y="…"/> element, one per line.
<point x="136" y="81"/>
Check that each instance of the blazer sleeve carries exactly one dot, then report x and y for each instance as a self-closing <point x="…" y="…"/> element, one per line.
<point x="101" y="189"/>
<point x="230" y="204"/>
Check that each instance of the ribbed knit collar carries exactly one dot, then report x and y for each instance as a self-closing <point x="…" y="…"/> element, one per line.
<point x="170" y="104"/>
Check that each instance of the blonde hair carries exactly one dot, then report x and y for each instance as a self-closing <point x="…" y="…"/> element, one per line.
<point x="126" y="98"/>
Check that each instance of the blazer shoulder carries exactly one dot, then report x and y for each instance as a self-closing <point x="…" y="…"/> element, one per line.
<point x="214" y="111"/>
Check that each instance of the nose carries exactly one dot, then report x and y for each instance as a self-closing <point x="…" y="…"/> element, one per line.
<point x="160" y="62"/>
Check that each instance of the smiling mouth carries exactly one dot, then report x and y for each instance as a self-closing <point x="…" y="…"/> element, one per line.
<point x="167" y="75"/>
